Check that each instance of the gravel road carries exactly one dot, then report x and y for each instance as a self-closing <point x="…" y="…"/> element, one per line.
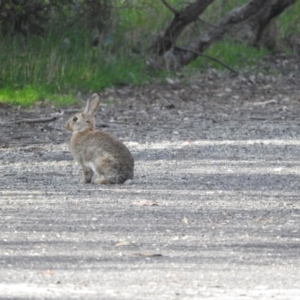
<point x="213" y="211"/>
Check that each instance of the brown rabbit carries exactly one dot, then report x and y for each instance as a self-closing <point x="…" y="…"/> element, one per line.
<point x="98" y="152"/>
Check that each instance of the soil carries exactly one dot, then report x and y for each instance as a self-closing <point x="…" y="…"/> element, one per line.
<point x="212" y="212"/>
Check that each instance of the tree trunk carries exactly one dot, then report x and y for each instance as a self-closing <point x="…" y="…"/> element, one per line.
<point x="256" y="31"/>
<point x="180" y="21"/>
<point x="259" y="13"/>
<point x="180" y="56"/>
<point x="270" y="10"/>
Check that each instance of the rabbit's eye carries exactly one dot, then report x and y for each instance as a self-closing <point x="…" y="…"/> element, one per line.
<point x="75" y="119"/>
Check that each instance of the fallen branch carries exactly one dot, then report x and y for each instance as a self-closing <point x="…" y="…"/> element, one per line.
<point x="31" y="121"/>
<point x="211" y="58"/>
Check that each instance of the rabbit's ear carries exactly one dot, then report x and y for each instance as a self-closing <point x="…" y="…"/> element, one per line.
<point x="92" y="105"/>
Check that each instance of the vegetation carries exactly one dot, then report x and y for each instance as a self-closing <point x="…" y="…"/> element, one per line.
<point x="59" y="60"/>
<point x="236" y="55"/>
<point x="55" y="69"/>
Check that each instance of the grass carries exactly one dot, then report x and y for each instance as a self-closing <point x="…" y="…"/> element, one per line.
<point x="35" y="69"/>
<point x="60" y="65"/>
<point x="289" y="20"/>
<point x="237" y="55"/>
<point x="27" y="96"/>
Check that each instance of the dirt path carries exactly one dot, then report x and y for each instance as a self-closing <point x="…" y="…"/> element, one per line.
<point x="213" y="211"/>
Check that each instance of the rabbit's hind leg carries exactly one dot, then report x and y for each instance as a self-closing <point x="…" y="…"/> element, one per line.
<point x="106" y="170"/>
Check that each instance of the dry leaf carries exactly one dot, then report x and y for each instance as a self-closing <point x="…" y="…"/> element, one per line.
<point x="170" y="80"/>
<point x="264" y="103"/>
<point x="123" y="243"/>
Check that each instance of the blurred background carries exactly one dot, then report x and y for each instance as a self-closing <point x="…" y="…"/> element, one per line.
<point x="56" y="50"/>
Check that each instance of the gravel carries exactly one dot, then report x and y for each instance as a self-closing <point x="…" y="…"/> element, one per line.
<point x="213" y="210"/>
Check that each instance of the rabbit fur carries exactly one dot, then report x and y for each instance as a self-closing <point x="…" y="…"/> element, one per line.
<point x="96" y="151"/>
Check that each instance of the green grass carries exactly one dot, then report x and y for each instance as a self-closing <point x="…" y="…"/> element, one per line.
<point x="34" y="69"/>
<point x="234" y="54"/>
<point x="289" y="20"/>
<point x="27" y="96"/>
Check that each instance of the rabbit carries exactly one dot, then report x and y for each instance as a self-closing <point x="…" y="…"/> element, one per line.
<point x="96" y="151"/>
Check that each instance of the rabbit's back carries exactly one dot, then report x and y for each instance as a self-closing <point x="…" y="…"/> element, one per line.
<point x="99" y="149"/>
